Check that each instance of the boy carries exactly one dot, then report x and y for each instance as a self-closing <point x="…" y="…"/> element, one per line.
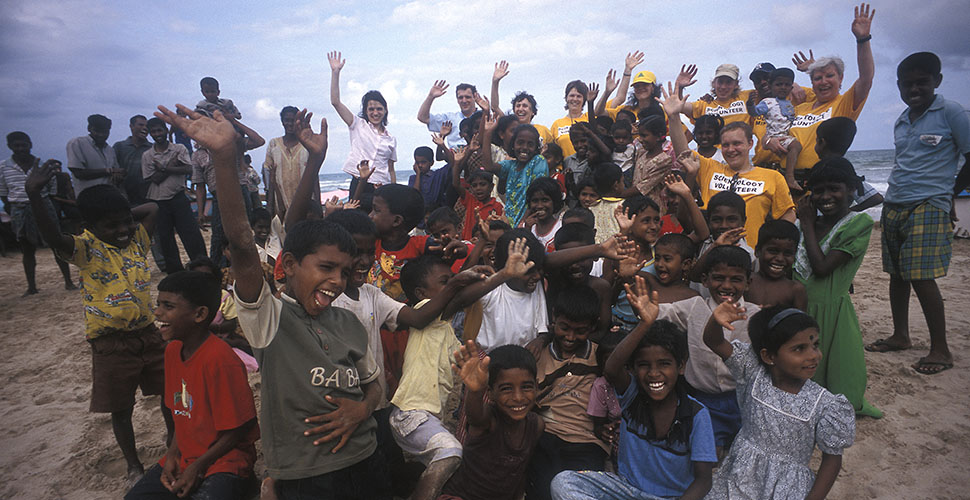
<point x="832" y="139"/>
<point x="779" y="114"/>
<point x="566" y="369"/>
<point x="726" y="220"/>
<point x="112" y="258"/>
<point x="771" y="285"/>
<point x="727" y="277"/>
<point x="575" y="166"/>
<point x="13" y="175"/>
<point x="319" y="378"/>
<point x="931" y="135"/>
<point x="206" y="387"/>
<point x="475" y="196"/>
<point x="431" y="184"/>
<point x="442" y="225"/>
<point x="211" y="103"/>
<point x="579" y="273"/>
<point x="608" y="180"/>
<point x="673" y="257"/>
<point x="165" y="166"/>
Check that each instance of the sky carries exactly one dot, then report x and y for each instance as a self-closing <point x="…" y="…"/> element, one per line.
<point x="62" y="60"/>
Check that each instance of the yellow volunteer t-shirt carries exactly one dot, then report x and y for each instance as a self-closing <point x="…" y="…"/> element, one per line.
<point x="734" y="110"/>
<point x="807" y="118"/>
<point x="764" y="192"/>
<point x="560" y="133"/>
<point x="545" y="136"/>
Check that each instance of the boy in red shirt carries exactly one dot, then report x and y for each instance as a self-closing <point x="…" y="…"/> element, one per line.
<point x="476" y="198"/>
<point x="206" y="387"/>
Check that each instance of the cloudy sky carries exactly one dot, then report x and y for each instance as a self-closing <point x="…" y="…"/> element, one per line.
<point x="61" y="60"/>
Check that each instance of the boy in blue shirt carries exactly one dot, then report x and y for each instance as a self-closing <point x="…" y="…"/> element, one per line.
<point x="930" y="135"/>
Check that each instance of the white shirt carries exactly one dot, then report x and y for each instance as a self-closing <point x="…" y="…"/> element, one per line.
<point x="366" y="143"/>
<point x="511" y="317"/>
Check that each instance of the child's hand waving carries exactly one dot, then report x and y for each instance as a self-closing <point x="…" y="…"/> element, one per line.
<point x="728" y="312"/>
<point x="518" y="264"/>
<point x="364" y="169"/>
<point x="644" y="302"/>
<point x="677" y="186"/>
<point x="39" y="177"/>
<point x="593" y="92"/>
<point x="730" y="237"/>
<point x="623" y="219"/>
<point x="472" y="368"/>
<point x="316" y="144"/>
<point x="446" y="128"/>
<point x="215" y="134"/>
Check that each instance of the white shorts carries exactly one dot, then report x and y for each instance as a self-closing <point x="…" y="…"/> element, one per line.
<point x="422" y="436"/>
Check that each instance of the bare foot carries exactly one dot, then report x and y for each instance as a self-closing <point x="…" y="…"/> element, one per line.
<point x="70" y="286"/>
<point x="267" y="490"/>
<point x="134" y="475"/>
<point x="30" y="291"/>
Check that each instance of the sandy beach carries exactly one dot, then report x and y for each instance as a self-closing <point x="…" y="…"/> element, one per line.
<point x="52" y="447"/>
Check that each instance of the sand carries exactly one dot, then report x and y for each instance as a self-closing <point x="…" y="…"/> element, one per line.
<point x="52" y="447"/>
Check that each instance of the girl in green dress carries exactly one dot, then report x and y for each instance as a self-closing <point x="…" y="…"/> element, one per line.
<point x="829" y="254"/>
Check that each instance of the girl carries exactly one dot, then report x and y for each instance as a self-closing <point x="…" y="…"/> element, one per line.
<point x="518" y="173"/>
<point x="707" y="135"/>
<point x="829" y="254"/>
<point x="369" y="138"/>
<point x="652" y="164"/>
<point x="544" y="216"/>
<point x="784" y="414"/>
<point x="553" y="155"/>
<point x="639" y="219"/>
<point x="666" y="441"/>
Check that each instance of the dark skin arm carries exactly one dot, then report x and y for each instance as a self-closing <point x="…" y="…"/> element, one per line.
<point x="610" y="249"/>
<point x="193" y="475"/>
<point x="722" y="317"/>
<point x="702" y="481"/>
<point x="487" y="128"/>
<point x="873" y="201"/>
<point x="440" y="303"/>
<point x="822" y="264"/>
<point x="647" y="306"/>
<point x="799" y="296"/>
<point x="474" y="374"/>
<point x="342" y="422"/>
<point x="316" y="146"/>
<point x="37" y="179"/>
<point x="729" y="237"/>
<point x="828" y="472"/>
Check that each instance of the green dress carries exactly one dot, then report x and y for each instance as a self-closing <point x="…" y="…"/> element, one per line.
<point x="843" y="366"/>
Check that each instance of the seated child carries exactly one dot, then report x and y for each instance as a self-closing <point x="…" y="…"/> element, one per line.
<point x="127" y="351"/>
<point x="726" y="219"/>
<point x="666" y="443"/>
<point x="832" y="139"/>
<point x="603" y="407"/>
<point x="608" y="179"/>
<point x="544" y="216"/>
<point x="785" y="414"/>
<point x="206" y="387"/>
<point x="779" y="114"/>
<point x="553" y="155"/>
<point x="566" y="370"/>
<point x="726" y="278"/>
<point x="771" y="285"/>
<point x="225" y="324"/>
<point x="502" y="433"/>
<point x="432" y="184"/>
<point x="673" y="257"/>
<point x="519" y="172"/>
<point x="574" y="235"/>
<point x="212" y="103"/>
<point x="475" y="199"/>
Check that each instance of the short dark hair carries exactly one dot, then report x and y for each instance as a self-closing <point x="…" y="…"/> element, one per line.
<point x="17" y="136"/>
<point x="577" y="303"/>
<point x="679" y="242"/>
<point x="442" y="214"/>
<point x="404" y="201"/>
<point x="781" y="73"/>
<point x="99" y="122"/>
<point x="836" y="169"/>
<point x="553" y="149"/>
<point x="638" y="203"/>
<point x="584" y="182"/>
<point x="480" y="174"/>
<point x="605" y="177"/>
<point x="197" y="287"/>
<point x="415" y="273"/>
<point x="354" y="221"/>
<point x="306" y="236"/>
<point x="548" y="186"/>
<point x="288" y="109"/>
<point x="573" y="232"/>
<point x="537" y="253"/>
<point x="424" y="152"/>
<point x="504" y="123"/>
<point x="778" y="229"/>
<point x="509" y="357"/>
<point x="520" y="95"/>
<point x="604" y="121"/>
<point x="653" y="124"/>
<point x="260" y="214"/>
<point x="373" y="95"/>
<point x="466" y="86"/>
<point x="466" y="125"/>
<point x="204" y="261"/>
<point x="621" y="124"/>
<point x="924" y="62"/>
<point x="630" y="116"/>
<point x="156" y="122"/>
<point x="838" y="133"/>
<point x="727" y="199"/>
<point x="744" y="127"/>
<point x="663" y="333"/>
<point x="730" y="256"/>
<point x="208" y="81"/>
<point x="713" y="121"/>
<point x="131" y="121"/>
<point x="499" y="224"/>
<point x="97" y="201"/>
<point x="579" y="86"/>
<point x="771" y="339"/>
<point x="581" y="212"/>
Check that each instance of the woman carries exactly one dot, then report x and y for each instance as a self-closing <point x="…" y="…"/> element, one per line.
<point x="729" y="99"/>
<point x="827" y="74"/>
<point x="369" y="139"/>
<point x="764" y="191"/>
<point x="575" y="97"/>
<point x="524" y="105"/>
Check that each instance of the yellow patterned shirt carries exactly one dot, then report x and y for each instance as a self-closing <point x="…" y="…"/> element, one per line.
<point x="115" y="283"/>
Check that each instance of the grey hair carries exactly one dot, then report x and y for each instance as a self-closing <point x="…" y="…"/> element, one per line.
<point x="824" y="62"/>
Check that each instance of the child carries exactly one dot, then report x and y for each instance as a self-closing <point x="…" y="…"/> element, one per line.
<point x="608" y="179"/>
<point x="266" y="243"/>
<point x="566" y="370"/>
<point x="707" y="135"/>
<point x="475" y="197"/>
<point x="211" y="103"/>
<point x="785" y="415"/>
<point x="624" y="151"/>
<point x="726" y="278"/>
<point x="225" y="324"/>
<point x="553" y="155"/>
<point x="603" y="407"/>
<point x="771" y="285"/>
<point x="652" y="164"/>
<point x="503" y="433"/>
<point x="830" y="253"/>
<point x="112" y="257"/>
<point x="319" y="378"/>
<point x="779" y="114"/>
<point x="206" y="387"/>
<point x="931" y="134"/>
<point x="832" y="139"/>
<point x="673" y="257"/>
<point x="586" y="193"/>
<point x="579" y="273"/>
<point x="432" y="184"/>
<point x="442" y="225"/>
<point x="640" y="221"/>
<point x="726" y="220"/>
<point x="519" y="172"/>
<point x="576" y="166"/>
<point x="666" y="443"/>
<point x="545" y="204"/>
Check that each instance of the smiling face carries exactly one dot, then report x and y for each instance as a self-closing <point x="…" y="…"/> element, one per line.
<point x="139" y="128"/>
<point x="289" y="123"/>
<point x="466" y="101"/>
<point x="588" y="196"/>
<point x="726" y="283"/>
<point x="318" y="278"/>
<point x="760" y="82"/>
<point x="435" y="281"/>
<point x="575" y="101"/>
<point x="669" y="264"/>
<point x="826" y="82"/>
<point x="648" y="139"/>
<point x="796" y="360"/>
<point x="831" y="198"/>
<point x="570" y="336"/>
<point x="643" y="92"/>
<point x="375" y="112"/>
<point x="523" y="110"/>
<point x="210" y="92"/>
<point x="723" y="218"/>
<point x="20" y="147"/>
<point x="775" y="258"/>
<point x="489" y="249"/>
<point x="116" y="228"/>
<point x="513" y="392"/>
<point x="646" y="226"/>
<point x="159" y="134"/>
<point x="528" y="283"/>
<point x="525" y="145"/>
<point x="581" y="145"/>
<point x="735" y="145"/>
<point x="578" y="271"/>
<point x="656" y="371"/>
<point x="918" y="89"/>
<point x="363" y="261"/>
<point x="176" y="316"/>
<point x="705" y="136"/>
<point x="724" y="87"/>
<point x="261" y="229"/>
<point x="541" y="205"/>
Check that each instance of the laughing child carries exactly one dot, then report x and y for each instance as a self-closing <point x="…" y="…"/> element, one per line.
<point x="544" y="215"/>
<point x="771" y="286"/>
<point x="518" y="173"/>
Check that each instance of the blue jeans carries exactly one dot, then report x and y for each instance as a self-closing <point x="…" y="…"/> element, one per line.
<point x="221" y="485"/>
<point x="592" y="485"/>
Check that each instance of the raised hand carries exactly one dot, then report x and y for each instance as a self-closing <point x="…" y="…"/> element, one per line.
<point x="215" y="134"/>
<point x="862" y="22"/>
<point x="801" y="62"/>
<point x="364" y="170"/>
<point x="501" y="71"/>
<point x="730" y="237"/>
<point x="481" y="101"/>
<point x="338" y="424"/>
<point x="677" y="186"/>
<point x="593" y="91"/>
<point x="460" y="154"/>
<point x="617" y="247"/>
<point x="611" y="82"/>
<point x="623" y="219"/>
<point x="645" y="303"/>
<point x="336" y="63"/>
<point x="446" y="129"/>
<point x="315" y="144"/>
<point x="728" y="312"/>
<point x="805" y="211"/>
<point x="352" y="205"/>
<point x="39" y="177"/>
<point x="672" y="102"/>
<point x="629" y="266"/>
<point x="687" y="75"/>
<point x="472" y="368"/>
<point x="517" y="265"/>
<point x="439" y="89"/>
<point x="332" y="205"/>
<point x="632" y="60"/>
<point x="438" y="139"/>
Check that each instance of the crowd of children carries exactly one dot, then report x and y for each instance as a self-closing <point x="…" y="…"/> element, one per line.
<point x="635" y="320"/>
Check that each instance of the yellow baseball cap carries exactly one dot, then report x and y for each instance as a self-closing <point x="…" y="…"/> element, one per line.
<point x="645" y="77"/>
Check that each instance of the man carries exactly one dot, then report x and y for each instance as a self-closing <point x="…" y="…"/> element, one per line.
<point x="466" y="95"/>
<point x="129" y="153"/>
<point x="285" y="160"/>
<point x="90" y="158"/>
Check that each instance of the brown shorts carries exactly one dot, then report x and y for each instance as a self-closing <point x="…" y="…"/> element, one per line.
<point x="120" y="363"/>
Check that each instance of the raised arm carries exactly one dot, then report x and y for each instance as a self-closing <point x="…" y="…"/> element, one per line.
<point x="217" y="135"/>
<point x="612" y="249"/>
<point x="633" y="59"/>
<point x="316" y="145"/>
<point x="822" y="264"/>
<point x="722" y="317"/>
<point x="437" y="90"/>
<point x="501" y="70"/>
<point x="337" y="64"/>
<point x="442" y="304"/>
<point x="37" y="179"/>
<point x="487" y="129"/>
<point x="646" y="305"/>
<point x="253" y="139"/>
<point x="685" y="79"/>
<point x="679" y="188"/>
<point x="861" y="28"/>
<point x="473" y="370"/>
<point x="608" y="89"/>
<point x="673" y="104"/>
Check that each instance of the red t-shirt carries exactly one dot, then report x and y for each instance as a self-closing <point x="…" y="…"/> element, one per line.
<point x="209" y="393"/>
<point x="484" y="210"/>
<point x="669" y="225"/>
<point x="456" y="267"/>
<point x="386" y="272"/>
